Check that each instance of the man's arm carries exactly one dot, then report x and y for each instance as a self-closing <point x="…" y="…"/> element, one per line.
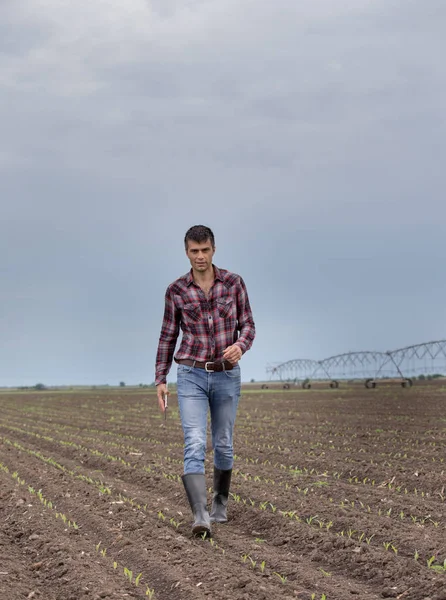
<point x="168" y="339"/>
<point x="245" y="319"/>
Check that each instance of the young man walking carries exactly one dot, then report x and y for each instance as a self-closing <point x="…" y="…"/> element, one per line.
<point x="211" y="307"/>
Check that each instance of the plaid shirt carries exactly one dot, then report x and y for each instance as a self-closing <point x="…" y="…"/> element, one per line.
<point x="209" y="325"/>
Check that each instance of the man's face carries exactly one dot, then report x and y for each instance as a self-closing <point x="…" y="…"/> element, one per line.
<point x="200" y="255"/>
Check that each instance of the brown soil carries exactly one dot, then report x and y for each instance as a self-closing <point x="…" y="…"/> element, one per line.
<point x="336" y="493"/>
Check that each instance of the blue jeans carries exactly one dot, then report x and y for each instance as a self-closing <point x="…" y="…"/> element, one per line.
<point x="199" y="391"/>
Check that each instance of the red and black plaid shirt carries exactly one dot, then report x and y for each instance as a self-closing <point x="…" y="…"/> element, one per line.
<point x="209" y="325"/>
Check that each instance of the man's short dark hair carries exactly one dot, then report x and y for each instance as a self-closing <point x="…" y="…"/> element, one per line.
<point x="199" y="234"/>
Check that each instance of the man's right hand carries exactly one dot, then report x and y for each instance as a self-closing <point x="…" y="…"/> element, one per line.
<point x="161" y="391"/>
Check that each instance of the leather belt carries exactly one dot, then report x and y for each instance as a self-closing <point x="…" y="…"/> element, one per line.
<point x="208" y="366"/>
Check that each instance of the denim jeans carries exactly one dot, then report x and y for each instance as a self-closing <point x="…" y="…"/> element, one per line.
<point x="199" y="392"/>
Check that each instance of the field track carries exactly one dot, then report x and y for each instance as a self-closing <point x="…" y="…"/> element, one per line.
<point x="337" y="494"/>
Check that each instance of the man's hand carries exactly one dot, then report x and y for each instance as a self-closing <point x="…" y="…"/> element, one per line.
<point x="161" y="391"/>
<point x="233" y="354"/>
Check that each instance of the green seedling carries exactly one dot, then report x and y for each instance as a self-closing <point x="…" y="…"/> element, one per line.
<point x="350" y="533"/>
<point x="129" y="574"/>
<point x="440" y="567"/>
<point x="309" y="520"/>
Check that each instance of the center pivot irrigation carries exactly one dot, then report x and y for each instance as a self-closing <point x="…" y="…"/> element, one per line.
<point x="401" y="365"/>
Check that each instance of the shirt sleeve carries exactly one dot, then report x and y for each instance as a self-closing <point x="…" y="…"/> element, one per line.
<point x="245" y="319"/>
<point x="168" y="339"/>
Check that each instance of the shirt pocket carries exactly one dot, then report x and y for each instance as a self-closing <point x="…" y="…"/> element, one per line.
<point x="192" y="311"/>
<point x="224" y="306"/>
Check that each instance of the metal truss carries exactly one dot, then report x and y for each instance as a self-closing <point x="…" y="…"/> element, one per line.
<point x="432" y="350"/>
<point x="293" y="370"/>
<point x="353" y="365"/>
<point x="428" y="357"/>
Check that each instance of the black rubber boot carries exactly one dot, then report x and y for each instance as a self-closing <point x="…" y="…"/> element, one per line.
<point x="195" y="486"/>
<point x="222" y="481"/>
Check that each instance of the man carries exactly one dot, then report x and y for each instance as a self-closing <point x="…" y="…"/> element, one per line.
<point x="211" y="307"/>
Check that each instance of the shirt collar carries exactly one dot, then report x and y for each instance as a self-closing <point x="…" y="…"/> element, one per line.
<point x="217" y="275"/>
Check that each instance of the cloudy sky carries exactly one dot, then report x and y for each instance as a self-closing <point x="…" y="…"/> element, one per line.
<point x="310" y="135"/>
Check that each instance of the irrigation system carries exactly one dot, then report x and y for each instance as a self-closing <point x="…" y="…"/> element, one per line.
<point x="403" y="364"/>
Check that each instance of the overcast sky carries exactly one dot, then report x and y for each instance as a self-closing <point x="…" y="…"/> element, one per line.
<point x="308" y="134"/>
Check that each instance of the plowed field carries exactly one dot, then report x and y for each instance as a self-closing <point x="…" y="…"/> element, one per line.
<point x="336" y="494"/>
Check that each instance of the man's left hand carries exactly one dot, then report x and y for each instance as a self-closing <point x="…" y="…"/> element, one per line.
<point x="233" y="354"/>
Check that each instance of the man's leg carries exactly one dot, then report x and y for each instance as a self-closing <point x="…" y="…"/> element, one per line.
<point x="193" y="404"/>
<point x="224" y="398"/>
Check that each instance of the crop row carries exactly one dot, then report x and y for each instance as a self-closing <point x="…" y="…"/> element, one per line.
<point x="50" y="505"/>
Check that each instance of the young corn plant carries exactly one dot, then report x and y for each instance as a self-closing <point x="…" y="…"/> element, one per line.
<point x="440" y="567"/>
<point x="176" y="524"/>
<point x="324" y="573"/>
<point x="283" y="578"/>
<point x="129" y="574"/>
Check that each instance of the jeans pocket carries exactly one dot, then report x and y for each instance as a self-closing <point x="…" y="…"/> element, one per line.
<point x="233" y="373"/>
<point x="183" y="369"/>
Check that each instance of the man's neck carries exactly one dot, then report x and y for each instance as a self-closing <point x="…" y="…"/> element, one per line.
<point x="204" y="277"/>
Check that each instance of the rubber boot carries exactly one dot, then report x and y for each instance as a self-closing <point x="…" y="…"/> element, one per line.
<point x="222" y="481"/>
<point x="195" y="486"/>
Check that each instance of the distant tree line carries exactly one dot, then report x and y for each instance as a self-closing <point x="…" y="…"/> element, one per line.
<point x="38" y="386"/>
<point x="42" y="386"/>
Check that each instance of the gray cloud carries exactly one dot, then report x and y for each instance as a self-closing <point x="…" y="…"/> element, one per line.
<point x="310" y="136"/>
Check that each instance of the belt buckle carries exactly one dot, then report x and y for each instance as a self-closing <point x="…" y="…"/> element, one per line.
<point x="210" y="362"/>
